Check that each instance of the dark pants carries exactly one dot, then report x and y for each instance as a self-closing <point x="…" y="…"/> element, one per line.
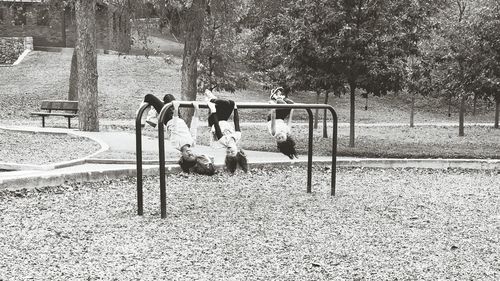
<point x="282" y="113"/>
<point x="224" y="109"/>
<point x="158" y="104"/>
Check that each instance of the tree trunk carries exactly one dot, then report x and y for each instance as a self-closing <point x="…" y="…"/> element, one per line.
<point x="325" y="124"/>
<point x="474" y="105"/>
<point x="88" y="119"/>
<point x="316" y="112"/>
<point x="73" y="78"/>
<point x="194" y="18"/>
<point x="412" y="110"/>
<point x="461" y="116"/>
<point x="497" y="109"/>
<point x="112" y="29"/>
<point x="63" y="26"/>
<point x="366" y="102"/>
<point x="449" y="105"/>
<point x="124" y="43"/>
<point x="352" y="85"/>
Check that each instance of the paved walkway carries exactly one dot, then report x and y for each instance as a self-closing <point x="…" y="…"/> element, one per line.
<point x="93" y="168"/>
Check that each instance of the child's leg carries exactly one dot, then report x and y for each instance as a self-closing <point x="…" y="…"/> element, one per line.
<point x="154" y="102"/>
<point x="224" y="109"/>
<point x="157" y="104"/>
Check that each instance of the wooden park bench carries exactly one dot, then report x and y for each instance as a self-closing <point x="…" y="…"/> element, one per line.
<point x="68" y="109"/>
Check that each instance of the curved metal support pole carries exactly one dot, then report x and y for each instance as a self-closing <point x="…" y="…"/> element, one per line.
<point x="310" y="150"/>
<point x="138" y="155"/>
<point x="161" y="148"/>
<point x="334" y="149"/>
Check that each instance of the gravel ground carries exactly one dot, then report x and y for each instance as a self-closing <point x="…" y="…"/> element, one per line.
<point x="39" y="148"/>
<point x="383" y="224"/>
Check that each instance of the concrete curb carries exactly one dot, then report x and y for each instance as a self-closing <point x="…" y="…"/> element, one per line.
<point x="21" y="57"/>
<point x="37" y="180"/>
<point x="390" y="163"/>
<point x="89" y="169"/>
<point x="98" y="172"/>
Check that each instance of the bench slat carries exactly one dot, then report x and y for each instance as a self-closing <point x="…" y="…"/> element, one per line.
<point x="66" y="109"/>
<point x="59" y="105"/>
<point x="54" y="114"/>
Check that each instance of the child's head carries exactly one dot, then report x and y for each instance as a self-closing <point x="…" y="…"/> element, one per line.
<point x="280" y="137"/>
<point x="240" y="159"/>
<point x="187" y="153"/>
<point x="287" y="147"/>
<point x="231" y="149"/>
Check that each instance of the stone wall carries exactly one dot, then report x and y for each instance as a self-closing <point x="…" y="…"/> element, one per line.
<point x="59" y="29"/>
<point x="47" y="34"/>
<point x="12" y="47"/>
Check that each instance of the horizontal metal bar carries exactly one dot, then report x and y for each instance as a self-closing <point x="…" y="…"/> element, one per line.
<point x="261" y="105"/>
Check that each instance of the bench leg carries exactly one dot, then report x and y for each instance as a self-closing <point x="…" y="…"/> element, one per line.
<point x="69" y="122"/>
<point x="43" y="121"/>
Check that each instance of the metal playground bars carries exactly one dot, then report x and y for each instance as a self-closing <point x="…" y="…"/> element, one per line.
<point x="240" y="105"/>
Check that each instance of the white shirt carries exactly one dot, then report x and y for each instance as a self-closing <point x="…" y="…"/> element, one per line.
<point x="228" y="133"/>
<point x="178" y="133"/>
<point x="279" y="126"/>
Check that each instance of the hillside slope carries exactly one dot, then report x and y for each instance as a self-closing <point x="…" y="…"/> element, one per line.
<point x="124" y="80"/>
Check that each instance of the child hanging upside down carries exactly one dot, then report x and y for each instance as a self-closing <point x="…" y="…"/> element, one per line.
<point x="179" y="135"/>
<point x="280" y="122"/>
<point x="224" y="133"/>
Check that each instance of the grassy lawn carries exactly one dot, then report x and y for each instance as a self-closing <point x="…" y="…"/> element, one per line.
<point x="124" y="80"/>
<point x="383" y="224"/>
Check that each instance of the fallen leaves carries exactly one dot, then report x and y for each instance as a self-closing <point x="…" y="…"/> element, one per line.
<point x="40" y="148"/>
<point x="264" y="226"/>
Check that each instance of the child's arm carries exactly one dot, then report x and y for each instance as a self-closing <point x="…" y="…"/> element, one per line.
<point x="236" y="119"/>
<point x="193" y="128"/>
<point x="273" y="122"/>
<point x="175" y="117"/>
<point x="289" y="123"/>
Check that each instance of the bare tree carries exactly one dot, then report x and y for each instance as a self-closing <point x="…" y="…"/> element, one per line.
<point x="73" y="78"/>
<point x="86" y="51"/>
<point x="194" y="19"/>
